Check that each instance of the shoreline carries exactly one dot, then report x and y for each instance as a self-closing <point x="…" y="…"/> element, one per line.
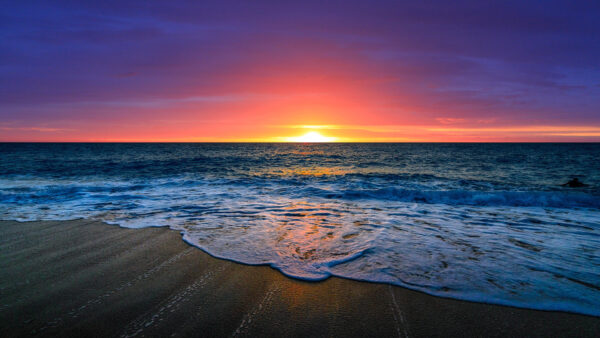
<point x="80" y="277"/>
<point x="424" y="292"/>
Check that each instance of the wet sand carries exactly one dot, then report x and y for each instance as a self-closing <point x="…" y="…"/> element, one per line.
<point x="86" y="278"/>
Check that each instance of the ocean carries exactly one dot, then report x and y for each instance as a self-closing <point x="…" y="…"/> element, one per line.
<point x="480" y="222"/>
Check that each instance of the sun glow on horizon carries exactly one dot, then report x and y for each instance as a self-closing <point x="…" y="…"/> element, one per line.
<point x="311" y="137"/>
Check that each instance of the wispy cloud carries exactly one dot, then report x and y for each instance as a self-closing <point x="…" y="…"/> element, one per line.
<point x="37" y="129"/>
<point x="524" y="129"/>
<point x="449" y="120"/>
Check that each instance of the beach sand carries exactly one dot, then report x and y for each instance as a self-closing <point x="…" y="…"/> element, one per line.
<point x="87" y="278"/>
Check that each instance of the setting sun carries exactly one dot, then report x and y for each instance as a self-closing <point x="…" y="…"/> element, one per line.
<point x="311" y="137"/>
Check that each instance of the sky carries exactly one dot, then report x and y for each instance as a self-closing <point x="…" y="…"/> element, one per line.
<point x="366" y="71"/>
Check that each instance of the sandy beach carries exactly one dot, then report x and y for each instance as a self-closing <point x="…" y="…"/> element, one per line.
<point x="86" y="278"/>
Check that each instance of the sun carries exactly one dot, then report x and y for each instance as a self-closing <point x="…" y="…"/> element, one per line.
<point x="311" y="137"/>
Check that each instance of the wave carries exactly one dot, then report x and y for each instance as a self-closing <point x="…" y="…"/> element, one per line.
<point x="551" y="199"/>
<point x="15" y="191"/>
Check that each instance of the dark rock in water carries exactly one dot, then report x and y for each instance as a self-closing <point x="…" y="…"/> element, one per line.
<point x="575" y="183"/>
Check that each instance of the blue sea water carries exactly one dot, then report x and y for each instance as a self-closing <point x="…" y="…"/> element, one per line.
<point x="480" y="222"/>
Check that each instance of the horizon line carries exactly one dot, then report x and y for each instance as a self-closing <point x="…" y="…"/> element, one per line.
<point x="286" y="142"/>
